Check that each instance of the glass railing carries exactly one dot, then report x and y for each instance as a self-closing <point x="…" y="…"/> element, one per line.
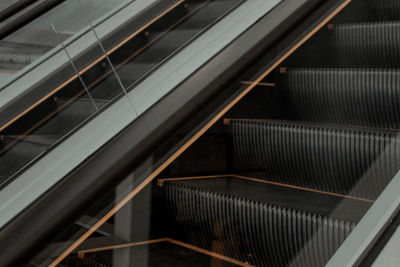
<point x="33" y="123"/>
<point x="49" y="109"/>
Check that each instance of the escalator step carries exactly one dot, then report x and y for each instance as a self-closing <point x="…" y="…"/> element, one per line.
<point x="363" y="97"/>
<point x="258" y="223"/>
<point x="368" y="44"/>
<point x="352" y="45"/>
<point x="370" y="10"/>
<point x="353" y="161"/>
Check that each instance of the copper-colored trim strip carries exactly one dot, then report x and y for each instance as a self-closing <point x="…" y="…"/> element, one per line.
<point x="38" y="124"/>
<point x="82" y="253"/>
<point x="194" y="138"/>
<point x="210" y="253"/>
<point x="106" y="217"/>
<point x="160" y="182"/>
<point x="90" y="66"/>
<point x="259" y="84"/>
<point x="304" y="189"/>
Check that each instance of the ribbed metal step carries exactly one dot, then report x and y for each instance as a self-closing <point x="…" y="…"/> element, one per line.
<point x="363" y="97"/>
<point x="370" y="10"/>
<point x="352" y="45"/>
<point x="359" y="162"/>
<point x="263" y="224"/>
<point x="368" y="44"/>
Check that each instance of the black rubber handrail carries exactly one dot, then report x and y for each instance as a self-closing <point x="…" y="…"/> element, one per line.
<point x="15" y="8"/>
<point x="28" y="17"/>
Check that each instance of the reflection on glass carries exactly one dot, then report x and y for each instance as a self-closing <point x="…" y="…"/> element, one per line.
<point x="96" y="73"/>
<point x="143" y="51"/>
<point x="50" y="110"/>
<point x="29" y="137"/>
<point x="35" y="39"/>
<point x="94" y="78"/>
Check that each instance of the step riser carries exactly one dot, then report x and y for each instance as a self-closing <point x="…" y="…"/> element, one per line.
<point x="351" y="162"/>
<point x="356" y="45"/>
<point x="371" y="45"/>
<point x="344" y="96"/>
<point x="370" y="10"/>
<point x="236" y="228"/>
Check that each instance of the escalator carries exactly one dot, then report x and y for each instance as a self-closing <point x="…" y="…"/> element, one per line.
<point x="310" y="157"/>
<point x="278" y="164"/>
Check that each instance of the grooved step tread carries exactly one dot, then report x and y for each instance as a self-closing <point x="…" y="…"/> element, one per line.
<point x="355" y="161"/>
<point x="370" y="10"/>
<point x="215" y="216"/>
<point x="353" y="45"/>
<point x="363" y="97"/>
<point x="368" y="44"/>
<point x="299" y="199"/>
